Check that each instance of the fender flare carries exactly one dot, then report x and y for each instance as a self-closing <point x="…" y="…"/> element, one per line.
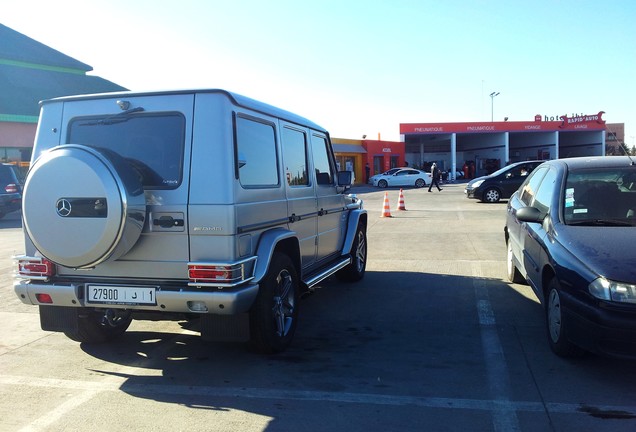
<point x="356" y="217"/>
<point x="267" y="245"/>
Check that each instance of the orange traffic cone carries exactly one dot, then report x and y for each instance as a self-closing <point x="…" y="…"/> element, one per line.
<point x="387" y="207"/>
<point x="401" y="205"/>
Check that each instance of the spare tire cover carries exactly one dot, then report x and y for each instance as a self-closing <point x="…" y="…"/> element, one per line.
<point x="82" y="206"/>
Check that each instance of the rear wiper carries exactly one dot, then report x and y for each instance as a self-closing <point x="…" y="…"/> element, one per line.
<point x="112" y="119"/>
<point x="601" y="222"/>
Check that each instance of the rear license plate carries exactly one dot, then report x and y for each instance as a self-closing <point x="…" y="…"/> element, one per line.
<point x="121" y="295"/>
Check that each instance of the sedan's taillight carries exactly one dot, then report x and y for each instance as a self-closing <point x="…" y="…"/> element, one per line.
<point x="11" y="188"/>
<point x="37" y="268"/>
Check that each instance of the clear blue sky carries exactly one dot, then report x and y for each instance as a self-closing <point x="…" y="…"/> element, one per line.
<point x="361" y="67"/>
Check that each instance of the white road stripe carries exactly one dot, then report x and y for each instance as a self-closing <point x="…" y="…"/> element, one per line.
<point x="59" y="412"/>
<point x="122" y="385"/>
<point x="504" y="413"/>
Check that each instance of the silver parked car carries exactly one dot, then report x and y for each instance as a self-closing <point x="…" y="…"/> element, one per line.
<point x="183" y="205"/>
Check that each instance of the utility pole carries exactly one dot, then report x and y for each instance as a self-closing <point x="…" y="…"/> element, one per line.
<point x="492" y="105"/>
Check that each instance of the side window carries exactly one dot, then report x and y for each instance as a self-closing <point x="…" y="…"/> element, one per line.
<point x="324" y="170"/>
<point x="295" y="157"/>
<point x="256" y="153"/>
<point x="529" y="187"/>
<point x="547" y="189"/>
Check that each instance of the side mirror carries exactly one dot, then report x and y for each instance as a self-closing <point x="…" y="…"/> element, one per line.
<point x="530" y="214"/>
<point x="345" y="179"/>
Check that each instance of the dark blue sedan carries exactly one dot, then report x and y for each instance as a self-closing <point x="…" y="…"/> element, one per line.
<point x="571" y="234"/>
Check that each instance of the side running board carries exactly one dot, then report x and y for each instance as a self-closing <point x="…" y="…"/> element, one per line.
<point x="315" y="279"/>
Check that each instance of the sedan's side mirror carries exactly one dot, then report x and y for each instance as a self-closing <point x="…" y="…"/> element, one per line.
<point x="530" y="214"/>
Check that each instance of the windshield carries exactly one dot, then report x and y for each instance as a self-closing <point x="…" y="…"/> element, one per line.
<point x="601" y="196"/>
<point x="151" y="143"/>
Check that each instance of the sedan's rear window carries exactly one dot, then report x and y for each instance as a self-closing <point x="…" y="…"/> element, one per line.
<point x="151" y="143"/>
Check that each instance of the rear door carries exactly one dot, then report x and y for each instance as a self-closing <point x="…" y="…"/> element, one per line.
<point x="153" y="134"/>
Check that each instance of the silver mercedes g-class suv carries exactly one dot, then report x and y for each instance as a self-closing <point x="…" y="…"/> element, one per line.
<point x="181" y="205"/>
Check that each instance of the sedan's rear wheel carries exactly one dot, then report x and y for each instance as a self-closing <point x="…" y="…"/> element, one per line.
<point x="420" y="183"/>
<point x="491" y="196"/>
<point x="514" y="275"/>
<point x="557" y="324"/>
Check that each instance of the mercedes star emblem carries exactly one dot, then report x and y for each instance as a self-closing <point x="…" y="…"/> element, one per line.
<point x="63" y="207"/>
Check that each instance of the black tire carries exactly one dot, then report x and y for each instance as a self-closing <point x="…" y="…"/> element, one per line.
<point x="420" y="183"/>
<point x="557" y="325"/>
<point x="513" y="273"/>
<point x="274" y="315"/>
<point x="383" y="184"/>
<point x="355" y="271"/>
<point x="100" y="326"/>
<point x="491" y="195"/>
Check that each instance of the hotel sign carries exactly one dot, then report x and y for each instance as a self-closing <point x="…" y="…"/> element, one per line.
<point x="582" y="121"/>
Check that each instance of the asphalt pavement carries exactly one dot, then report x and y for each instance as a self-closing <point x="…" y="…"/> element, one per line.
<point x="434" y="338"/>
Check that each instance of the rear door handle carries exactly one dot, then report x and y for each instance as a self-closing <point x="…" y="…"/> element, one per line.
<point x="167" y="222"/>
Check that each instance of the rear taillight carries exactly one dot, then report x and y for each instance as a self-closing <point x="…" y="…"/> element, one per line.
<point x="38" y="268"/>
<point x="210" y="273"/>
<point x="220" y="275"/>
<point x="11" y="188"/>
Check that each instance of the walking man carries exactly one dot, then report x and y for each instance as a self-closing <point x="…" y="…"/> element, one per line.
<point x="434" y="177"/>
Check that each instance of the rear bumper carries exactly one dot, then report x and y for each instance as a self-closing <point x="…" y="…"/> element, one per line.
<point x="10" y="203"/>
<point x="220" y="302"/>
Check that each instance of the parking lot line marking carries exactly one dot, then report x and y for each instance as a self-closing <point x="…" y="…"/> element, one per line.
<point x="59" y="411"/>
<point x="122" y="385"/>
<point x="504" y="412"/>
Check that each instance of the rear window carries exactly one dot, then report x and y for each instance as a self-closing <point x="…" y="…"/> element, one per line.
<point x="152" y="143"/>
<point x="11" y="174"/>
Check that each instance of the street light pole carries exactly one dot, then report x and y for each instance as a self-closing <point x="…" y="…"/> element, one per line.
<point x="492" y="105"/>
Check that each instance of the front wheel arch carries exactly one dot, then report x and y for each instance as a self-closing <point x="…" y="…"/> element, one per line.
<point x="355" y="271"/>
<point x="557" y="323"/>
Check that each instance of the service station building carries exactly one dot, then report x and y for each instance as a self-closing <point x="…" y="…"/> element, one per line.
<point x="492" y="145"/>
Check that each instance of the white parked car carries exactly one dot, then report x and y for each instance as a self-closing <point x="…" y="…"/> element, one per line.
<point x="403" y="177"/>
<point x="389" y="172"/>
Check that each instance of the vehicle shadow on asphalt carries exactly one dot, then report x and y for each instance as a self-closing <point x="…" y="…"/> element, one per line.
<point x="385" y="335"/>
